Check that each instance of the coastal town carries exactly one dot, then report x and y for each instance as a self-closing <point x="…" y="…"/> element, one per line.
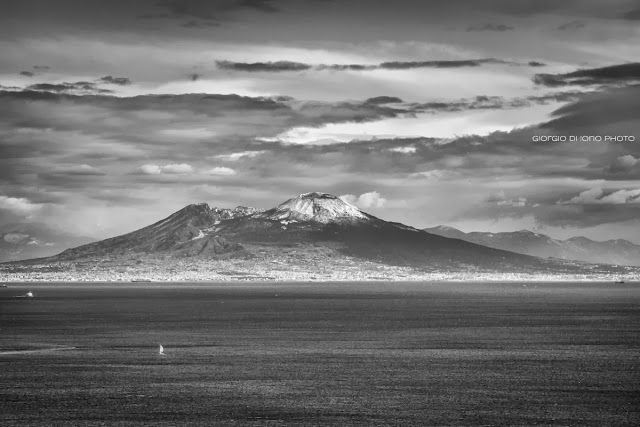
<point x="289" y="266"/>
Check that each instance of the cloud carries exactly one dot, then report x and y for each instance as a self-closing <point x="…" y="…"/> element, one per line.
<point x="281" y="66"/>
<point x="120" y="81"/>
<point x="571" y="25"/>
<point x="384" y="100"/>
<point x="172" y="169"/>
<point x="207" y="13"/>
<point x="194" y="76"/>
<point x="520" y="202"/>
<point x="268" y="6"/>
<point x="178" y="169"/>
<point x="233" y="157"/>
<point x="610" y="112"/>
<point x="201" y="24"/>
<point x="80" y="170"/>
<point x="151" y="169"/>
<point x="345" y="67"/>
<point x="435" y="174"/>
<point x="409" y="149"/>
<point x="405" y="65"/>
<point x="496" y="197"/>
<point x="366" y="200"/>
<point x="499" y="198"/>
<point x="147" y="115"/>
<point x="277" y="66"/>
<point x="624" y="164"/>
<point x="622" y="73"/>
<point x="632" y="15"/>
<point x="27" y="73"/>
<point x="79" y="88"/>
<point x="622" y="197"/>
<point x="18" y="205"/>
<point x="222" y="171"/>
<point x="491" y="27"/>
<point x="484" y="102"/>
<point x="597" y="195"/>
<point x="41" y="67"/>
<point x="536" y="64"/>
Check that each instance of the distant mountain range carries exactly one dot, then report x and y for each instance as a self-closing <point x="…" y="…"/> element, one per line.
<point x="311" y="223"/>
<point x="619" y="251"/>
<point x="21" y="241"/>
<point x="311" y="236"/>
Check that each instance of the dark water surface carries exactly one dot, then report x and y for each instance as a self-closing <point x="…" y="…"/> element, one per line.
<point x="320" y="354"/>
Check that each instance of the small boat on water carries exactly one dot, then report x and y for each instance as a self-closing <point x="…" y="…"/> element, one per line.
<point x="29" y="294"/>
<point x="161" y="350"/>
<point x="141" y="280"/>
<point x="2" y="285"/>
<point x="619" y="281"/>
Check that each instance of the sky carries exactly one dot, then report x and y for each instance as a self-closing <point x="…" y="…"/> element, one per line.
<point x="114" y="114"/>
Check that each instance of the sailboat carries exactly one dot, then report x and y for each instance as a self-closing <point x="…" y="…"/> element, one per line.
<point x="161" y="350"/>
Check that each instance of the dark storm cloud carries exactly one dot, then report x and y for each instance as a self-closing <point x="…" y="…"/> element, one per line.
<point x="280" y="66"/>
<point x="616" y="110"/>
<point x="276" y="66"/>
<point x="494" y="102"/>
<point x="622" y="73"/>
<point x="241" y="116"/>
<point x="383" y="100"/>
<point x="346" y="67"/>
<point x="403" y="65"/>
<point x="27" y="73"/>
<point x="555" y="97"/>
<point x="491" y="27"/>
<point x="77" y="87"/>
<point x="120" y="81"/>
<point x="536" y="64"/>
<point x="194" y="76"/>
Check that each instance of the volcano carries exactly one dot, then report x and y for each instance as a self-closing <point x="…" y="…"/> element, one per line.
<point x="308" y="224"/>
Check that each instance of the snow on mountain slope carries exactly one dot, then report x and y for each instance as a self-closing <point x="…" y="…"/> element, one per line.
<point x="318" y="207"/>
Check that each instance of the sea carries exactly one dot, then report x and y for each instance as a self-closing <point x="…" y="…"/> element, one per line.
<point x="307" y="354"/>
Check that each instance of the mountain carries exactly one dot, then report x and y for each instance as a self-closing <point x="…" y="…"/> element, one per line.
<point x="189" y="231"/>
<point x="309" y="220"/>
<point x="620" y="252"/>
<point x="311" y="236"/>
<point x="19" y="241"/>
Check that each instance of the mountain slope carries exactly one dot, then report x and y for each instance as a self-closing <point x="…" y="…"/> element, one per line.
<point x="185" y="232"/>
<point x="620" y="252"/>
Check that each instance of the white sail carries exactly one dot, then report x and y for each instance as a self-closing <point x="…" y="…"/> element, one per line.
<point x="161" y="351"/>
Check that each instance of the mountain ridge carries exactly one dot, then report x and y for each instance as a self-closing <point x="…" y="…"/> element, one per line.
<point x="579" y="248"/>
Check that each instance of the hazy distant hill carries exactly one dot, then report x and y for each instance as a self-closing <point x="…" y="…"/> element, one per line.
<point x="31" y="240"/>
<point x="619" y="251"/>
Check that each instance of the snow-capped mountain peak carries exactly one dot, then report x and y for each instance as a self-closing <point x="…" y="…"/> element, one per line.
<point x="319" y="207"/>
